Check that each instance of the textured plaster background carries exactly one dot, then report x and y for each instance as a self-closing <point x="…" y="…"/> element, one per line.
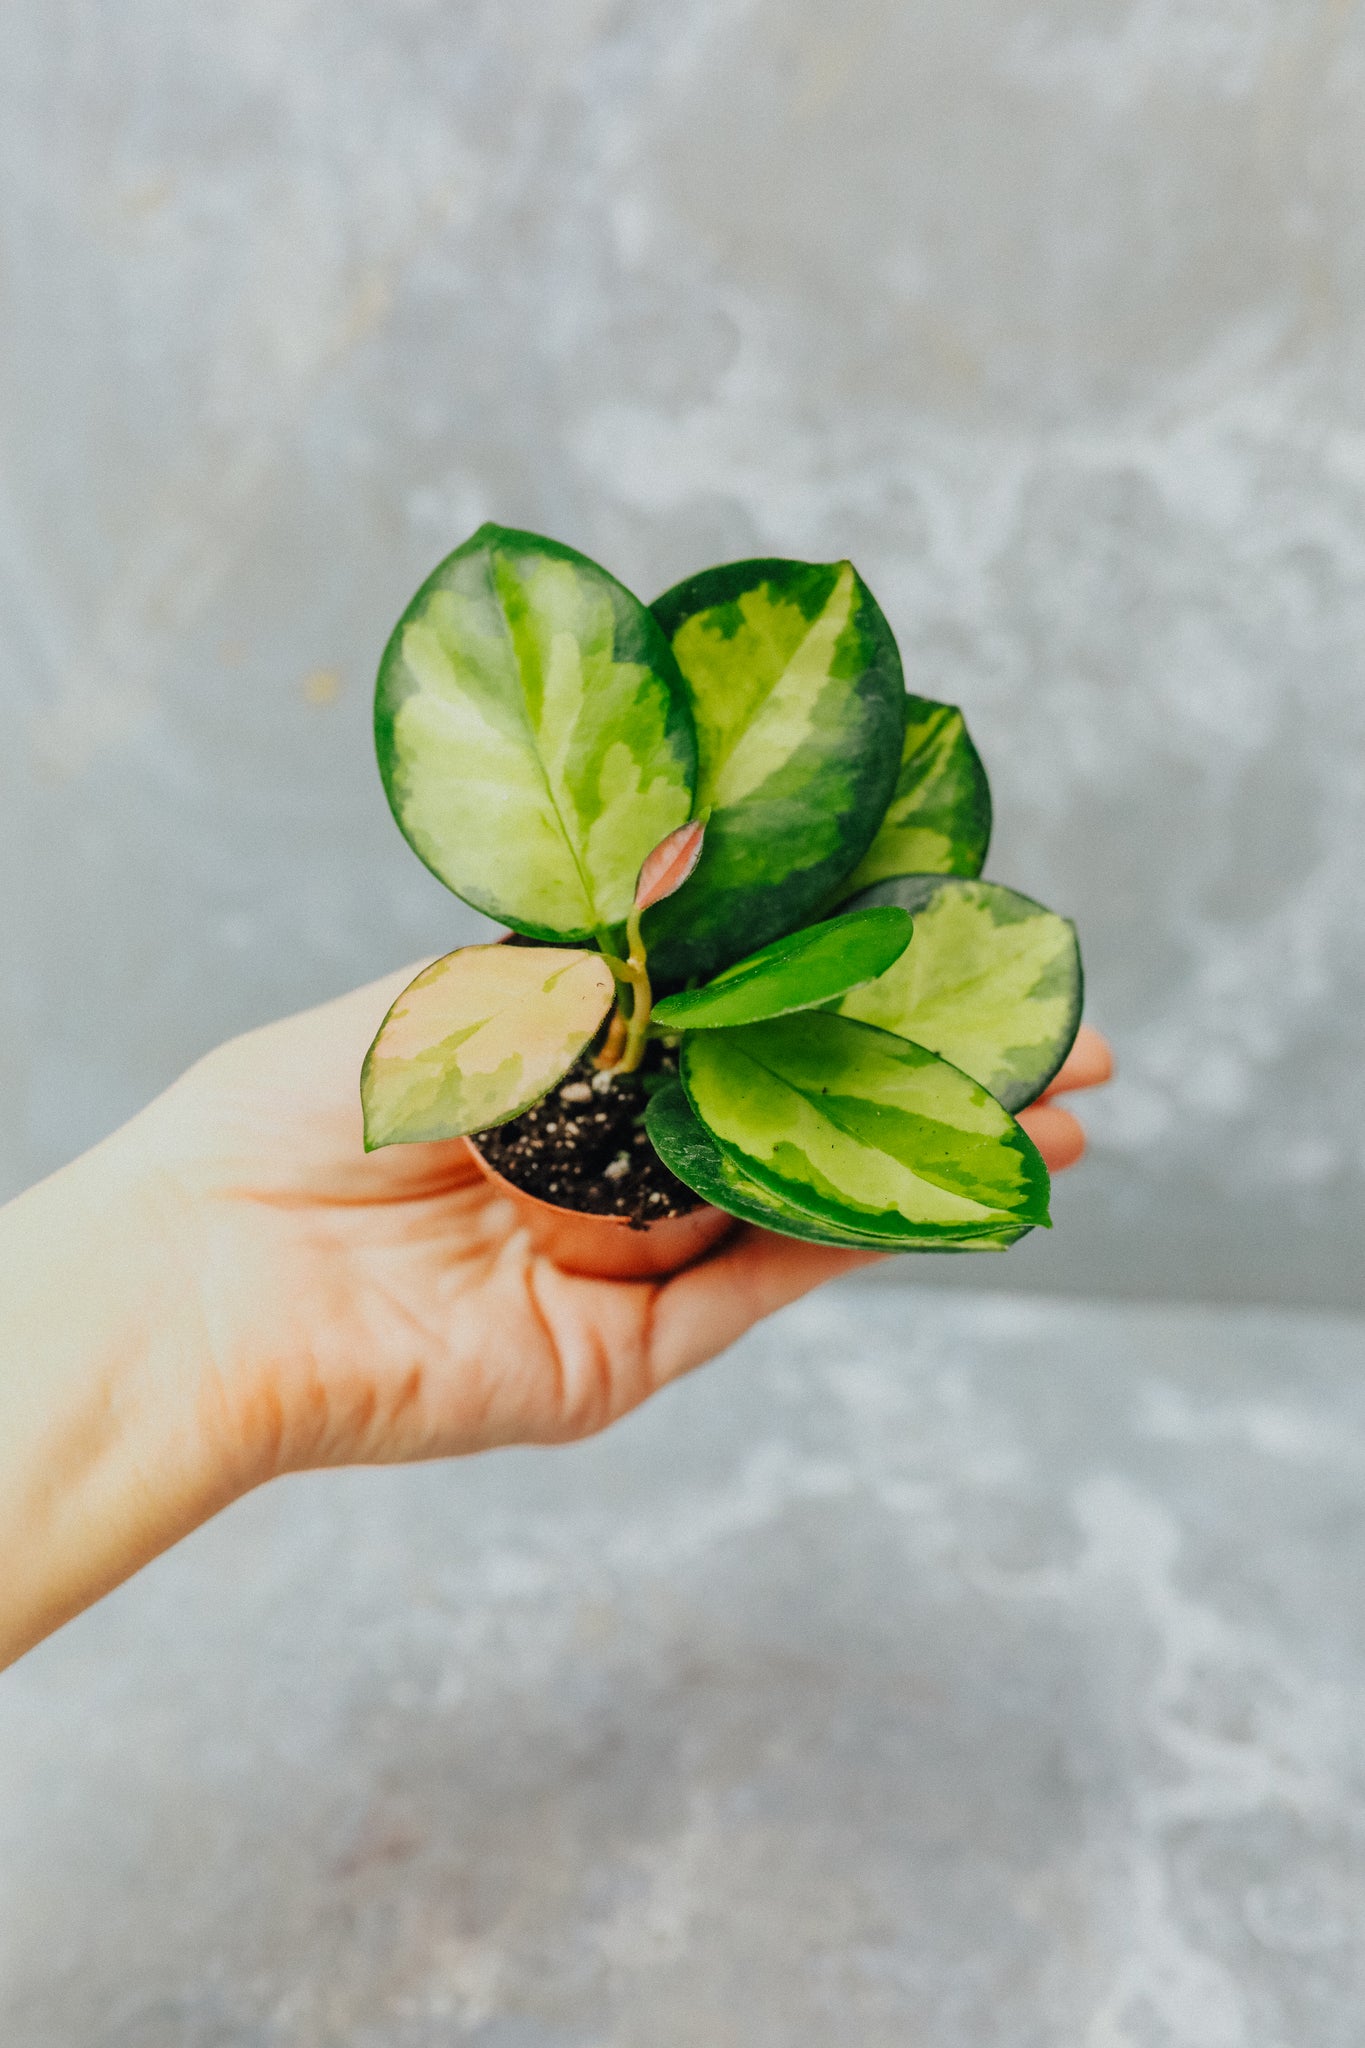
<point x="935" y="1669"/>
<point x="1053" y="316"/>
<point x="994" y="1682"/>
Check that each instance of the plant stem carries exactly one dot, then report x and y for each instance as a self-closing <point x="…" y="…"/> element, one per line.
<point x="625" y="1041"/>
<point x="643" y="995"/>
<point x="614" y="1044"/>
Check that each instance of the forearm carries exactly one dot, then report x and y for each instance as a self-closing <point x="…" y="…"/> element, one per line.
<point x="104" y="1394"/>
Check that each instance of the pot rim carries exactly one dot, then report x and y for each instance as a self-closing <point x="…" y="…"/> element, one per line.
<point x="522" y="1194"/>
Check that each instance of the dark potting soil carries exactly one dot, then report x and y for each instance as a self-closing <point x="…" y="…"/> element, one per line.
<point x="585" y="1147"/>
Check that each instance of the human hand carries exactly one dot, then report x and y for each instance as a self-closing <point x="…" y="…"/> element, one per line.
<point x="1055" y="1131"/>
<point x="389" y="1306"/>
<point x="384" y="1307"/>
<point x="231" y="1288"/>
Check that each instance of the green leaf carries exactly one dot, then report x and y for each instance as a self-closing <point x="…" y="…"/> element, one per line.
<point x="688" y="1150"/>
<point x="533" y="734"/>
<point x="861" y="1129"/>
<point x="993" y="983"/>
<point x="794" y="973"/>
<point x="478" y="1037"/>
<point x="799" y="706"/>
<point x="939" y="819"/>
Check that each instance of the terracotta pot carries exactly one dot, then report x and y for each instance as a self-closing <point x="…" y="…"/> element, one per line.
<point x="605" y="1247"/>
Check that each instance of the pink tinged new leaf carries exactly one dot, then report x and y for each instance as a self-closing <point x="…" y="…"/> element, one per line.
<point x="668" y="867"/>
<point x="478" y="1037"/>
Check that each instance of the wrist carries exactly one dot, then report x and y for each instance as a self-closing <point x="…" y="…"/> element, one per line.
<point x="106" y="1409"/>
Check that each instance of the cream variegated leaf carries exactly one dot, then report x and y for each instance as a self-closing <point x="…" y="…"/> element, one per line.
<point x="799" y="706"/>
<point x="992" y="982"/>
<point x="689" y="1151"/>
<point x="478" y="1037"/>
<point x="859" y="1128"/>
<point x="534" y="734"/>
<point x="938" y="821"/>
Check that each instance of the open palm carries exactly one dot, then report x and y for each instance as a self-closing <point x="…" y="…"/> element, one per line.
<point x="372" y="1308"/>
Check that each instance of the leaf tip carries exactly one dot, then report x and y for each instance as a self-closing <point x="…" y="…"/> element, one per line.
<point x="668" y="867"/>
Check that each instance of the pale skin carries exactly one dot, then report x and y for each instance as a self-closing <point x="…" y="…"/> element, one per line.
<point x="229" y="1289"/>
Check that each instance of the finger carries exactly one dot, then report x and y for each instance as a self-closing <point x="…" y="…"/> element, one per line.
<point x="704" y="1309"/>
<point x="1056" y="1133"/>
<point x="1089" y="1064"/>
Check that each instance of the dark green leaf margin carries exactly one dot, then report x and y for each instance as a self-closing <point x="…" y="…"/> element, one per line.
<point x="799" y="704"/>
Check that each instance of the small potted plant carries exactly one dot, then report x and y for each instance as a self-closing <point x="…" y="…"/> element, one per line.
<point x="751" y="970"/>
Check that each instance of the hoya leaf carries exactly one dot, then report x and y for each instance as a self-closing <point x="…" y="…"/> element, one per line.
<point x="863" y="1130"/>
<point x="688" y="1150"/>
<point x="939" y="819"/>
<point x="799" y="705"/>
<point x="668" y="867"/>
<point x="993" y="982"/>
<point x="478" y="1037"/>
<point x="534" y="734"/>
<point x="795" y="973"/>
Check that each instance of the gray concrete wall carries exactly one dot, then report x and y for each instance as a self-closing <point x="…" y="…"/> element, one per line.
<point x="985" y="1677"/>
<point x="1053" y="317"/>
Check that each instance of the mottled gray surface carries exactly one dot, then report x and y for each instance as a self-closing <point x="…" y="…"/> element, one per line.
<point x="930" y="1671"/>
<point x="1052" y="315"/>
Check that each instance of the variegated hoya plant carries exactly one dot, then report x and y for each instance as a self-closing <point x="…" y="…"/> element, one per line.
<point x="722" y="821"/>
